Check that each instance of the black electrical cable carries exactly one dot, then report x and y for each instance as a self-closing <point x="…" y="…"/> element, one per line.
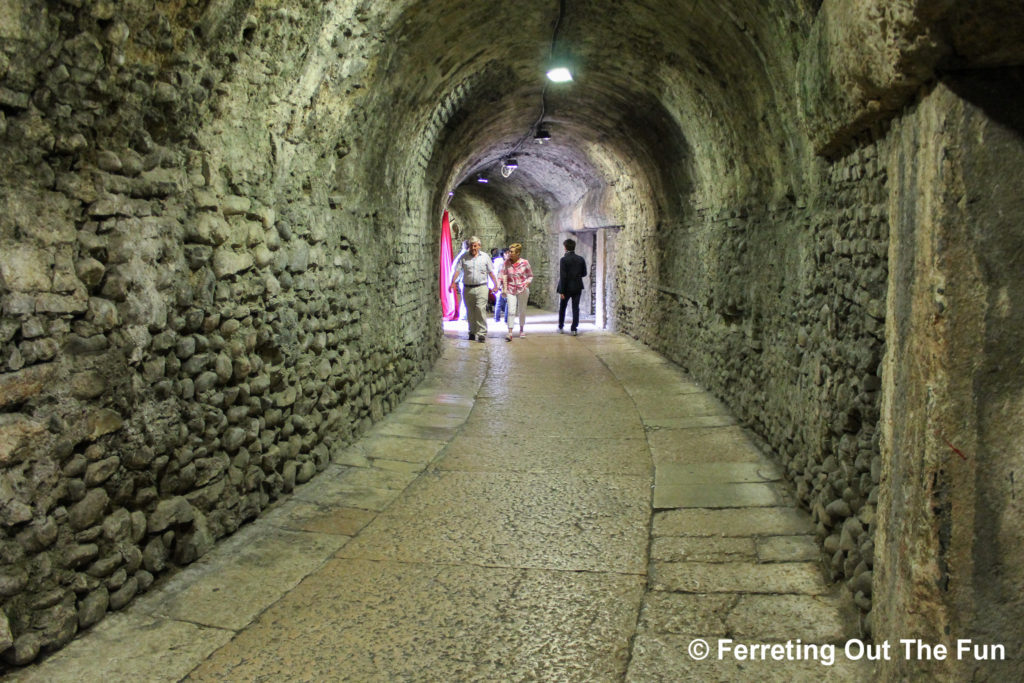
<point x="544" y="90"/>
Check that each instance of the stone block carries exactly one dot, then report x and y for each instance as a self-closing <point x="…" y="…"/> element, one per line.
<point x="208" y="228"/>
<point x="24" y="268"/>
<point x="17" y="387"/>
<point x="227" y="262"/>
<point x="235" y="205"/>
<point x="93" y="607"/>
<point x="170" y="512"/>
<point x="62" y="304"/>
<point x="89" y="510"/>
<point x="17" y="433"/>
<point x="102" y="422"/>
<point x="6" y="637"/>
<point x="98" y="472"/>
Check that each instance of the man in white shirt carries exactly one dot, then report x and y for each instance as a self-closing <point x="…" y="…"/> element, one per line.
<point x="477" y="273"/>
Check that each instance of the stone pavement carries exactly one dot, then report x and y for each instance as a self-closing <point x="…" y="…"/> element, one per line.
<point x="554" y="508"/>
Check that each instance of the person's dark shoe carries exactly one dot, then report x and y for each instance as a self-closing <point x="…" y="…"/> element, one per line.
<point x="472" y="337"/>
<point x="481" y="339"/>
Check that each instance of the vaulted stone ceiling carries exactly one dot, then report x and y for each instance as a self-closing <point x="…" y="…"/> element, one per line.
<point x="695" y="101"/>
<point x="670" y="93"/>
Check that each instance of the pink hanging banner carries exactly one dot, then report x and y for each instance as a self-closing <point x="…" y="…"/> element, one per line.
<point x="449" y="304"/>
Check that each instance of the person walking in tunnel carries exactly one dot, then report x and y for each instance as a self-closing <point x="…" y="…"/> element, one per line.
<point x="477" y="273"/>
<point x="516" y="276"/>
<point x="501" y="300"/>
<point x="571" y="271"/>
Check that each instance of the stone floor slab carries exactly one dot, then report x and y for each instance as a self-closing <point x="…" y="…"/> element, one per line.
<point x="777" y="521"/>
<point x="534" y="454"/>
<point x="664" y="657"/>
<point x="811" y="618"/>
<point x="402" y="466"/>
<point x="352" y="621"/>
<point x="788" y="548"/>
<point x="696" y="614"/>
<point x="699" y="446"/>
<point x="338" y="493"/>
<point x="496" y="426"/>
<point x="670" y="473"/>
<point x="690" y="422"/>
<point x="129" y="647"/>
<point x="710" y="495"/>
<point x="378" y="478"/>
<point x="240" y="577"/>
<point x="416" y="431"/>
<point x="703" y="549"/>
<point x="427" y="395"/>
<point x="300" y="515"/>
<point x="400" y="448"/>
<point x="553" y="520"/>
<point x="657" y="410"/>
<point x="738" y="577"/>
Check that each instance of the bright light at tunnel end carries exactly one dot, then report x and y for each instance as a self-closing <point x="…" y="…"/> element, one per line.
<point x="559" y="75"/>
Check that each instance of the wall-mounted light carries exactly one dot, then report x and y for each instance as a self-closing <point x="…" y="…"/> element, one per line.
<point x="542" y="135"/>
<point x="481" y="179"/>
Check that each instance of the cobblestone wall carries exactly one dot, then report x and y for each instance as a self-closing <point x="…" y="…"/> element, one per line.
<point x="780" y="311"/>
<point x="191" y="323"/>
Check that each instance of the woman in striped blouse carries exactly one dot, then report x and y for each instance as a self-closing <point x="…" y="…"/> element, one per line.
<point x="516" y="277"/>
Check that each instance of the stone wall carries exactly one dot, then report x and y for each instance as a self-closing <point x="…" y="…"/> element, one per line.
<point x="780" y="310"/>
<point x="198" y="310"/>
<point x="949" y="527"/>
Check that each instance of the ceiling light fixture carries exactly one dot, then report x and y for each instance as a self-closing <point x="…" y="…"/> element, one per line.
<point x="559" y="74"/>
<point x="481" y="179"/>
<point x="508" y="166"/>
<point x="559" y="58"/>
<point x="559" y="71"/>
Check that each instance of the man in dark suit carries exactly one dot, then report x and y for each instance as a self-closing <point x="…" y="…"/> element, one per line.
<point x="571" y="271"/>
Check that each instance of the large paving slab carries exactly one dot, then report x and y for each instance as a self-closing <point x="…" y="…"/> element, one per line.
<point x="665" y="658"/>
<point x="241" y="577"/>
<point x="777" y="521"/>
<point x="703" y="444"/>
<point x="130" y="646"/>
<point x="738" y="577"/>
<point x="383" y="621"/>
<point x="532" y="453"/>
<point x="552" y="520"/>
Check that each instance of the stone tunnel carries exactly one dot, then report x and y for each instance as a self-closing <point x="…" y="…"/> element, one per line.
<point x="219" y="233"/>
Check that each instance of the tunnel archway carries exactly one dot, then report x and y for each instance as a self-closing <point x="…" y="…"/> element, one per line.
<point x="216" y="217"/>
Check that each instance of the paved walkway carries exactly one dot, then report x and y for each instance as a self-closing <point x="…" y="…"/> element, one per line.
<point x="554" y="508"/>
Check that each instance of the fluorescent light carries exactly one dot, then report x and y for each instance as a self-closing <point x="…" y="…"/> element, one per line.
<point x="559" y="74"/>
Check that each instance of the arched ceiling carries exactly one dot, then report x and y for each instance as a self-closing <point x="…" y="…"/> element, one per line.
<point x="684" y="94"/>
